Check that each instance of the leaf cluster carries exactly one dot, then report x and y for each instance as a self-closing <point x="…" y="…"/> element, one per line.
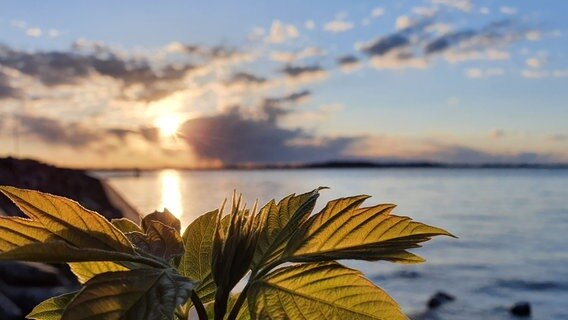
<point x="285" y="256"/>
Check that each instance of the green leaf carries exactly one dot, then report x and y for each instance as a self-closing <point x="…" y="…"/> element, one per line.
<point x="150" y="294"/>
<point x="56" y="223"/>
<point x="244" y="314"/>
<point x="52" y="308"/>
<point x="342" y="230"/>
<point x="283" y="219"/>
<point x="198" y="240"/>
<point x="196" y="260"/>
<point x="126" y="225"/>
<point x="87" y="270"/>
<point x="320" y="291"/>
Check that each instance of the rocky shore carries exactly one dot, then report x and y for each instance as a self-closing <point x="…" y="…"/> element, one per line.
<point x="22" y="284"/>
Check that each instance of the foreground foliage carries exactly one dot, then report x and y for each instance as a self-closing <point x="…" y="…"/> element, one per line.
<point x="152" y="271"/>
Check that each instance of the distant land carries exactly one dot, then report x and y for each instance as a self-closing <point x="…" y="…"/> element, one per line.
<point x="338" y="164"/>
<point x="357" y="164"/>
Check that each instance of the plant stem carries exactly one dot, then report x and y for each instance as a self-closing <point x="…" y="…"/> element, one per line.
<point x="239" y="303"/>
<point x="199" y="306"/>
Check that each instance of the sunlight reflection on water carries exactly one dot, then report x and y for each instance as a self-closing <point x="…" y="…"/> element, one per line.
<point x="171" y="198"/>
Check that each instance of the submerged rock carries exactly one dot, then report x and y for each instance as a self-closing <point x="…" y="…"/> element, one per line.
<point x="439" y="298"/>
<point x="521" y="309"/>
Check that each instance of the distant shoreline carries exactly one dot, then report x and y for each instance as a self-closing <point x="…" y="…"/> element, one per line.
<point x="348" y="165"/>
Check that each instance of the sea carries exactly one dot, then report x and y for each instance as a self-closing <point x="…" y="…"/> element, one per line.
<point x="512" y="226"/>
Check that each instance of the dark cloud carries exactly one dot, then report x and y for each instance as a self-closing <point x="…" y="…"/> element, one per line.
<point x="218" y="52"/>
<point x="55" y="132"/>
<point x="56" y="68"/>
<point x="74" y="134"/>
<point x="274" y="108"/>
<point x="496" y="33"/>
<point x="233" y="138"/>
<point x="245" y="79"/>
<point x="6" y="90"/>
<point x="302" y="71"/>
<point x="347" y="60"/>
<point x="386" y="44"/>
<point x="416" y="44"/>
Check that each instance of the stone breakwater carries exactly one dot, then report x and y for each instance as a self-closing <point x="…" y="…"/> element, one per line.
<point x="23" y="284"/>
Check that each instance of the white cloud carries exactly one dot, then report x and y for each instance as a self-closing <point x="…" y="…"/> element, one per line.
<point x="508" y="10"/>
<point x="462" y="5"/>
<point x="533" y="35"/>
<point x="310" y="25"/>
<point x="338" y="26"/>
<point x="34" y="32"/>
<point x="377" y="12"/>
<point x="535" y="74"/>
<point x="284" y="56"/>
<point x="53" y="33"/>
<point x="402" y="22"/>
<point x="484" y="10"/>
<point x="477" y="73"/>
<point x="281" y="32"/>
<point x="257" y="33"/>
<point x="533" y="62"/>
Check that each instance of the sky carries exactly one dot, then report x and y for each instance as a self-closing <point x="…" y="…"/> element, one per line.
<point x="106" y="84"/>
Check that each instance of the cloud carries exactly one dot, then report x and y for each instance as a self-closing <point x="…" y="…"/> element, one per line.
<point x="377" y="12"/>
<point x="232" y="138"/>
<point x="281" y="32"/>
<point x="497" y="133"/>
<point x="6" y="90"/>
<point x="534" y="62"/>
<point x="541" y="74"/>
<point x="310" y="25"/>
<point x="34" y="32"/>
<point x="273" y="109"/>
<point x="338" y="26"/>
<point x="559" y="137"/>
<point x="419" y="42"/>
<point x="508" y="10"/>
<point x="289" y="57"/>
<point x="138" y="76"/>
<point x="303" y="74"/>
<point x="245" y="81"/>
<point x="477" y="73"/>
<point x="462" y="5"/>
<point x="348" y="63"/>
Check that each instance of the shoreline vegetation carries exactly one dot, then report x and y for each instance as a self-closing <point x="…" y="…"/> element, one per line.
<point x="333" y="164"/>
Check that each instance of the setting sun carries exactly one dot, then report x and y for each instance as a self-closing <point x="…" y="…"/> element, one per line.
<point x="168" y="125"/>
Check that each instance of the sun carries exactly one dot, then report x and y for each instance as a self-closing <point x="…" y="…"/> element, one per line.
<point x="168" y="125"/>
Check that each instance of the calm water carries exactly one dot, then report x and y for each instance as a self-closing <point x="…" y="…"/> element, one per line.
<point x="512" y="224"/>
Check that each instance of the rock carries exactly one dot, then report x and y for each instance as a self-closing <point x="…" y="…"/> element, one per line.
<point x="8" y="309"/>
<point x="92" y="193"/>
<point x="24" y="285"/>
<point x="439" y="298"/>
<point x="521" y="309"/>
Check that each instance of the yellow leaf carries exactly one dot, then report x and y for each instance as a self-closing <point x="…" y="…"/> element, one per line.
<point x="86" y="270"/>
<point x="52" y="308"/>
<point x="320" y="291"/>
<point x="57" y="217"/>
<point x="342" y="230"/>
<point x="282" y="221"/>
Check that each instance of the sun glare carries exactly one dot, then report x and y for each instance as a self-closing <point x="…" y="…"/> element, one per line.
<point x="168" y="125"/>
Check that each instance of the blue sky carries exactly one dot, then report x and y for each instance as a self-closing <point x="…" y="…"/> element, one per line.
<point x="262" y="81"/>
